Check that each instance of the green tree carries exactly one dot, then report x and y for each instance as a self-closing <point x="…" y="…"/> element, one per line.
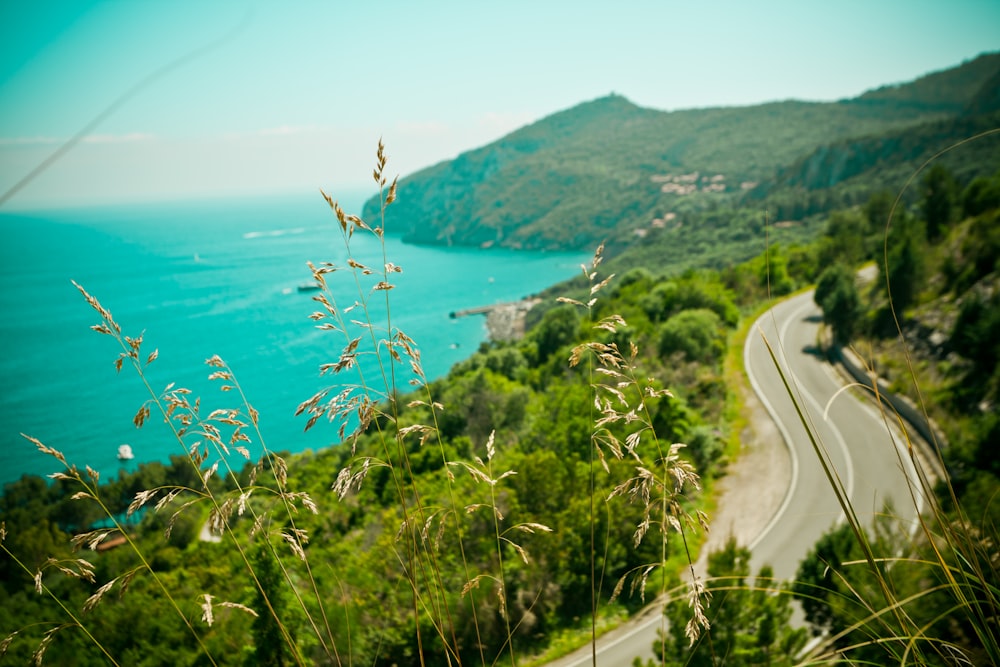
<point x="877" y="211"/>
<point x="837" y="295"/>
<point x="689" y="292"/>
<point x="844" y="239"/>
<point x="706" y="447"/>
<point x="270" y="646"/>
<point x="981" y="195"/>
<point x="939" y="198"/>
<point x="698" y="334"/>
<point x="858" y="602"/>
<point x="976" y="336"/>
<point x="817" y="582"/>
<point x="979" y="253"/>
<point x="749" y="621"/>
<point x="557" y="328"/>
<point x="482" y="401"/>
<point x="774" y="273"/>
<point x="904" y="266"/>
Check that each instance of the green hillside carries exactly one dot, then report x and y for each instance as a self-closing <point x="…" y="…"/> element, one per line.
<point x="607" y="168"/>
<point x="797" y="201"/>
<point x="855" y="167"/>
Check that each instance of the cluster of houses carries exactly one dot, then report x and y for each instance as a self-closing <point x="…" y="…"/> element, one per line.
<point x="686" y="184"/>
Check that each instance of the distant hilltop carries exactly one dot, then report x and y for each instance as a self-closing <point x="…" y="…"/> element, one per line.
<point x="607" y="170"/>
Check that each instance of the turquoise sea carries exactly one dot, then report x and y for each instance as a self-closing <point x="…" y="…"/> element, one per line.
<point x="207" y="278"/>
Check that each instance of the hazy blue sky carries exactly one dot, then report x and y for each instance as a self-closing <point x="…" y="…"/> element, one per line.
<point x="294" y="95"/>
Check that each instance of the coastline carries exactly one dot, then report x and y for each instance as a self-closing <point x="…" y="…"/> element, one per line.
<point x="504" y="321"/>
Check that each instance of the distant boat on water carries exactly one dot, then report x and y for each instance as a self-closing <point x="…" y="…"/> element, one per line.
<point x="309" y="287"/>
<point x="125" y="453"/>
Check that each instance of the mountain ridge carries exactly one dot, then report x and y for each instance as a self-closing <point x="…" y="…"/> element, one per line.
<point x="607" y="167"/>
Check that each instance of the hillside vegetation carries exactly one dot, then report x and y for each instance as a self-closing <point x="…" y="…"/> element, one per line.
<point x="610" y="171"/>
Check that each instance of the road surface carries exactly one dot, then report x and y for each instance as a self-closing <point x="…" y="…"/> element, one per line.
<point x="853" y="436"/>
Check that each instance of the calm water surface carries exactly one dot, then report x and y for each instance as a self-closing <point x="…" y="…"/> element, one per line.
<point x="200" y="279"/>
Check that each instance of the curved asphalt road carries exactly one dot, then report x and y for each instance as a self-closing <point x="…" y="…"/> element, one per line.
<point x="853" y="435"/>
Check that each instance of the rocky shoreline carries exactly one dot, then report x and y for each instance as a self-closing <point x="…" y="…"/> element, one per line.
<point x="504" y="321"/>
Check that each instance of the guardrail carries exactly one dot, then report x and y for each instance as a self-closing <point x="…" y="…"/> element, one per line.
<point x="904" y="407"/>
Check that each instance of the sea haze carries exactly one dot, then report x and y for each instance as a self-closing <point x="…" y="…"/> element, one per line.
<point x="209" y="278"/>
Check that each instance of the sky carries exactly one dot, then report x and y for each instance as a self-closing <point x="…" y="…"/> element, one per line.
<point x="130" y="100"/>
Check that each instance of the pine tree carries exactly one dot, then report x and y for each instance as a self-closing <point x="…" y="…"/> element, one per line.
<point x="837" y="295"/>
<point x="270" y="647"/>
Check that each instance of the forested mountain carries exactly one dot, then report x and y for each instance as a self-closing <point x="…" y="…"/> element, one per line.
<point x="855" y="167"/>
<point x="949" y="90"/>
<point x="610" y="170"/>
